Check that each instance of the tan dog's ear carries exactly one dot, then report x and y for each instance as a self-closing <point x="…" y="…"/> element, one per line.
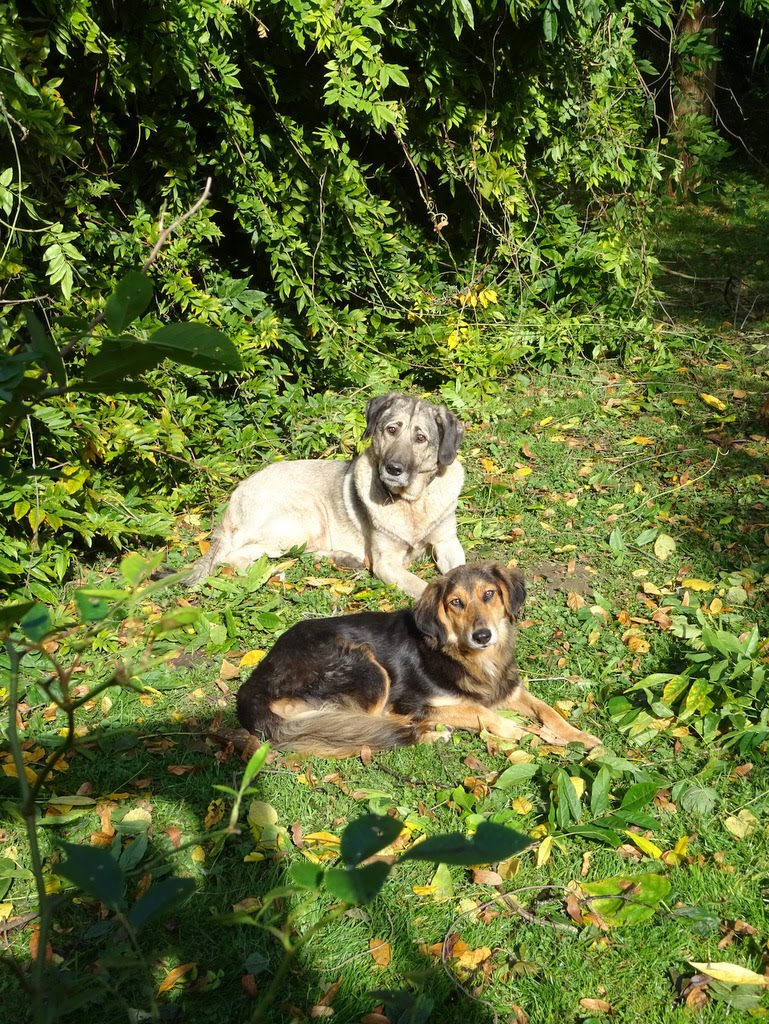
<point x="427" y="617"/>
<point x="513" y="588"/>
<point x="376" y="407"/>
<point x="450" y="434"/>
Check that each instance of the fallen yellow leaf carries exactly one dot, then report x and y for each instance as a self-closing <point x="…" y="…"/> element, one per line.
<point x="645" y="845"/>
<point x="327" y="838"/>
<point x="732" y="974"/>
<point x="251" y="658"/>
<point x="676" y="856"/>
<point x="695" y="584"/>
<point x="664" y="546"/>
<point x="712" y="401"/>
<point x="741" y="825"/>
<point x="544" y="850"/>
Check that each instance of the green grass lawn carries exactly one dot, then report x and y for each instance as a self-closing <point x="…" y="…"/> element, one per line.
<point x="631" y="497"/>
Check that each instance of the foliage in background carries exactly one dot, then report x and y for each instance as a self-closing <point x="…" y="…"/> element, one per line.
<point x="396" y="197"/>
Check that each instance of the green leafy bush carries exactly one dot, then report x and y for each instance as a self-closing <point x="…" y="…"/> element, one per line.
<point x="722" y="690"/>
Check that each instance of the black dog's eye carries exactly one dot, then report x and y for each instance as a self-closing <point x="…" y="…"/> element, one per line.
<point x="456" y="602"/>
<point x="488" y="595"/>
<point x="391" y="429"/>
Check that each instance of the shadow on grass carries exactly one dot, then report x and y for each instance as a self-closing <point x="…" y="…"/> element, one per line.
<point x="212" y="970"/>
<point x="714" y="256"/>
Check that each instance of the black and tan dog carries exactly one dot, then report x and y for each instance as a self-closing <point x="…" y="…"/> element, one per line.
<point x="387" y="679"/>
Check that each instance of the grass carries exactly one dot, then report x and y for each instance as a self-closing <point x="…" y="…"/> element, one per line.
<point x="574" y="480"/>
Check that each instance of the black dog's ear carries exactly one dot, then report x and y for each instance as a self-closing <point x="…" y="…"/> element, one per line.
<point x="375" y="407"/>
<point x="513" y="588"/>
<point x="450" y="434"/>
<point x="427" y="616"/>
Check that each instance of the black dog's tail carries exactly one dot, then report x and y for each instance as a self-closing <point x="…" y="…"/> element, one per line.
<point x="340" y="732"/>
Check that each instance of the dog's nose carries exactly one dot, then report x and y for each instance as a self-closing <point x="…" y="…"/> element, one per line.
<point x="394" y="468"/>
<point x="481" y="636"/>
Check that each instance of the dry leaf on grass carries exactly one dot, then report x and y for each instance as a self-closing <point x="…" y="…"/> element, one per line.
<point x="174" y="976"/>
<point x="249" y="986"/>
<point x="381" y="951"/>
<point x="596" y="1005"/>
<point x="483" y="876"/>
<point x="474" y="957"/>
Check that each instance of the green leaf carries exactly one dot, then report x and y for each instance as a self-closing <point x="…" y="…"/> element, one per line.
<point x="598" y="832"/>
<point x="117" y="359"/>
<point x="699" y="919"/>
<point x="464" y="9"/>
<point x="196" y="345"/>
<point x="44" y="348"/>
<point x="402" y="1007"/>
<point x="36" y="623"/>
<point x="256" y="963"/>
<point x="550" y="23"/>
<point x="491" y="842"/>
<point x="133" y="853"/>
<point x="128" y="301"/>
<point x="568" y="808"/>
<point x="646" y="536"/>
<point x="639" y="795"/>
<point x="135" y="568"/>
<point x="599" y="793"/>
<point x="255" y="764"/>
<point x="306" y="875"/>
<point x="368" y="835"/>
<point x="160" y="899"/>
<point x="698" y="799"/>
<point x="91" y="605"/>
<point x="628" y="900"/>
<point x="516" y="773"/>
<point x="95" y="872"/>
<point x="357" y="885"/>
<point x="10" y="614"/>
<point x="617" y="542"/>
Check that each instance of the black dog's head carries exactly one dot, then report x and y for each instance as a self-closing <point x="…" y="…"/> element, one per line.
<point x="471" y="608"/>
<point x="412" y="441"/>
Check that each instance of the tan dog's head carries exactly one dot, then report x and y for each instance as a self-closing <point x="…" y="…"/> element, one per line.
<point x="412" y="442"/>
<point x="472" y="608"/>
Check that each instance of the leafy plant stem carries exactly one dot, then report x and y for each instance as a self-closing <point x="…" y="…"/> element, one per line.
<point x="27" y="808"/>
<point x="290" y="952"/>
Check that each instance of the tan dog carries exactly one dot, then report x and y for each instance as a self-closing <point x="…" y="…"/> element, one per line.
<point x="383" y="509"/>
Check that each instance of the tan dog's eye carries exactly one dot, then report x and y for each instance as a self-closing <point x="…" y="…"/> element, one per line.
<point x="456" y="602"/>
<point x="391" y="430"/>
<point x="420" y="439"/>
<point x="489" y="595"/>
